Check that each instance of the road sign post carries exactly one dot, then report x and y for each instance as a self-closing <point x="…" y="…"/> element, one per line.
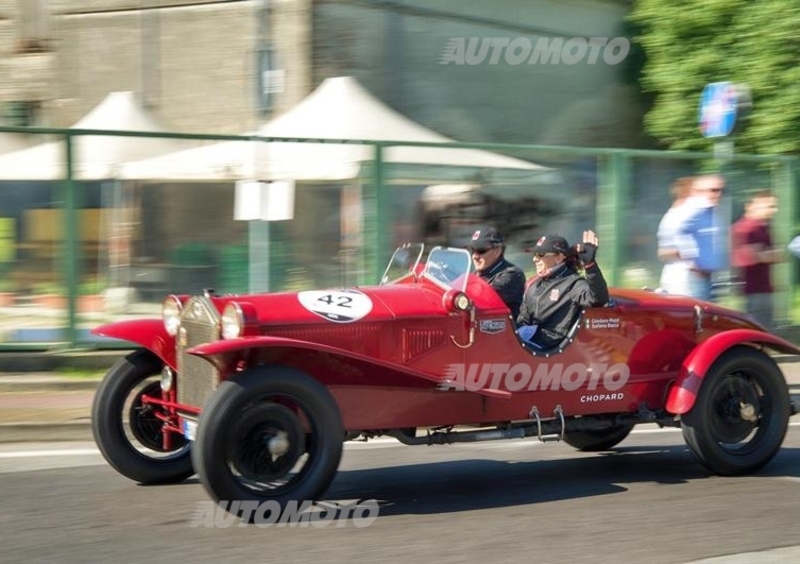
<point x="721" y="104"/>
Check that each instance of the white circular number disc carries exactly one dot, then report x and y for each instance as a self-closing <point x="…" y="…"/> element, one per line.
<point x="340" y="306"/>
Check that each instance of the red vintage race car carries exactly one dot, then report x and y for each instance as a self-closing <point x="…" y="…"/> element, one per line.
<point x="258" y="393"/>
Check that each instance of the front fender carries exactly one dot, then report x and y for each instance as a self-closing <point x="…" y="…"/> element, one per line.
<point x="149" y="333"/>
<point x="684" y="392"/>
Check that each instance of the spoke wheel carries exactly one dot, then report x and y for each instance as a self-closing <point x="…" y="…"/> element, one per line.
<point x="272" y="443"/>
<point x="268" y="434"/>
<point x="732" y="394"/>
<point x="128" y="432"/>
<point x="741" y="414"/>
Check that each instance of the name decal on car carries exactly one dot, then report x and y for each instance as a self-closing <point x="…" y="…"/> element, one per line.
<point x="602" y="397"/>
<point x="603" y="323"/>
<point x="339" y="306"/>
<point x="493" y="326"/>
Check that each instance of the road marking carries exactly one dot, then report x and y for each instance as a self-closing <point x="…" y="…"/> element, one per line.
<point x="776" y="555"/>
<point x="48" y="453"/>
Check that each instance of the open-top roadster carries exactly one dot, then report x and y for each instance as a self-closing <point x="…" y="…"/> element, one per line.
<point x="257" y="393"/>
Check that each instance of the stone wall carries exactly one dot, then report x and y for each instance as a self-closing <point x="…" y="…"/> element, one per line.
<point x="192" y="61"/>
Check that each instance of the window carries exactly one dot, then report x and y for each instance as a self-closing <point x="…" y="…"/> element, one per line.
<point x="21" y="114"/>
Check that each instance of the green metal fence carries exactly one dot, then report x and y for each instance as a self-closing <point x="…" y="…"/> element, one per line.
<point x="74" y="228"/>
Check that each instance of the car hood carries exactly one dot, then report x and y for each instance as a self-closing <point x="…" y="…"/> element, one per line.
<point x="344" y="305"/>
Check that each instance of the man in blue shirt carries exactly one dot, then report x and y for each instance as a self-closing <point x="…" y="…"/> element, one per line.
<point x="702" y="222"/>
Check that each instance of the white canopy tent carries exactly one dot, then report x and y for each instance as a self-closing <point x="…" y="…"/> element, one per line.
<point x="339" y="109"/>
<point x="97" y="157"/>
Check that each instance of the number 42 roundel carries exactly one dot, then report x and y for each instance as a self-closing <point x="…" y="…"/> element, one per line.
<point x="340" y="306"/>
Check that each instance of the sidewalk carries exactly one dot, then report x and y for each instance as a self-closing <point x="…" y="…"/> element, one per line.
<point x="38" y="402"/>
<point x="41" y="406"/>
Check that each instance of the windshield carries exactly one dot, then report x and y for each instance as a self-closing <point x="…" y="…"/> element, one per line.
<point x="404" y="260"/>
<point x="448" y="267"/>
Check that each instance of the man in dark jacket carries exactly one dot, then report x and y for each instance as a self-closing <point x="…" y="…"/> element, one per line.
<point x="488" y="257"/>
<point x="554" y="300"/>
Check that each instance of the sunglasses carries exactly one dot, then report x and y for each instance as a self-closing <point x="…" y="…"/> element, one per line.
<point x="542" y="255"/>
<point x="482" y="251"/>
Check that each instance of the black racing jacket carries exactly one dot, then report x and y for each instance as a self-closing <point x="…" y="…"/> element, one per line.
<point x="508" y="281"/>
<point x="553" y="302"/>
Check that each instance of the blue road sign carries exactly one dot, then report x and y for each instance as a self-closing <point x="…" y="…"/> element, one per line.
<point x="718" y="109"/>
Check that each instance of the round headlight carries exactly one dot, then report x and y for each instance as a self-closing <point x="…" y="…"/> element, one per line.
<point x="453" y="300"/>
<point x="232" y="321"/>
<point x="171" y="314"/>
<point x="166" y="379"/>
<point x="461" y="302"/>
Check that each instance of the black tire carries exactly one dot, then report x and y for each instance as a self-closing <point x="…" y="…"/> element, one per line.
<point x="232" y="453"/>
<point x="125" y="383"/>
<point x="719" y="431"/>
<point x="596" y="441"/>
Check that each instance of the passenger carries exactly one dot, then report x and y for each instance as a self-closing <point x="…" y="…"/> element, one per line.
<point x="488" y="257"/>
<point x="553" y="302"/>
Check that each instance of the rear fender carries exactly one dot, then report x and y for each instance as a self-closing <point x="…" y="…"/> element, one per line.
<point x="149" y="333"/>
<point x="228" y="355"/>
<point x="684" y="392"/>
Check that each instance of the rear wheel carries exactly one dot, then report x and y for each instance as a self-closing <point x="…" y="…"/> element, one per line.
<point x="128" y="430"/>
<point x="595" y="441"/>
<point x="741" y="414"/>
<point x="268" y="434"/>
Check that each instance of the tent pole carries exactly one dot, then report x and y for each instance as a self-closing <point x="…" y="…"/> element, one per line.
<point x="613" y="197"/>
<point x="376" y="218"/>
<point x="71" y="254"/>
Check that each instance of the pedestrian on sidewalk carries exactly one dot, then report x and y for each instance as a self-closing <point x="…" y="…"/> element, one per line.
<point x="753" y="255"/>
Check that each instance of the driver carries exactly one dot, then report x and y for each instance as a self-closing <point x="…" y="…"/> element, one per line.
<point x="488" y="250"/>
<point x="556" y="296"/>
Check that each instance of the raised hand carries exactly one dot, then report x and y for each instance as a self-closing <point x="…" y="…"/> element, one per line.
<point x="588" y="249"/>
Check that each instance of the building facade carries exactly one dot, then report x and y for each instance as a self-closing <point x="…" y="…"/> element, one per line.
<point x="194" y="63"/>
<point x="225" y="66"/>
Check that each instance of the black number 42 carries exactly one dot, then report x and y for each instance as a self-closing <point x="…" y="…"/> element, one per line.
<point x="338" y="301"/>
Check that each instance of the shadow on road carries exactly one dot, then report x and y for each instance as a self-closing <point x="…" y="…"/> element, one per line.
<point x="469" y="485"/>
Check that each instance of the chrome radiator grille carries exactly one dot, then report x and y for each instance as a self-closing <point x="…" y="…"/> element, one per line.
<point x="197" y="378"/>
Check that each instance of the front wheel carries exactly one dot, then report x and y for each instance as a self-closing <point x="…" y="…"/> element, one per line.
<point x="129" y="432"/>
<point x="599" y="440"/>
<point x="268" y="434"/>
<point x="741" y="414"/>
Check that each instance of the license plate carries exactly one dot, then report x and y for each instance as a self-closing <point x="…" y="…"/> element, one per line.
<point x="189" y="429"/>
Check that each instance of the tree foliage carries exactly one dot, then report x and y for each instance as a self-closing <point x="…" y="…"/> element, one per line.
<point x="689" y="43"/>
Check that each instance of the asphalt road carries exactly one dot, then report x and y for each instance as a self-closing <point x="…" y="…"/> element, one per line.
<point x="507" y="501"/>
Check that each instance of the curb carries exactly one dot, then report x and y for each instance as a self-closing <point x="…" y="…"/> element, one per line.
<point x="45" y="432"/>
<point x="9" y="386"/>
<point x="54" y="361"/>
